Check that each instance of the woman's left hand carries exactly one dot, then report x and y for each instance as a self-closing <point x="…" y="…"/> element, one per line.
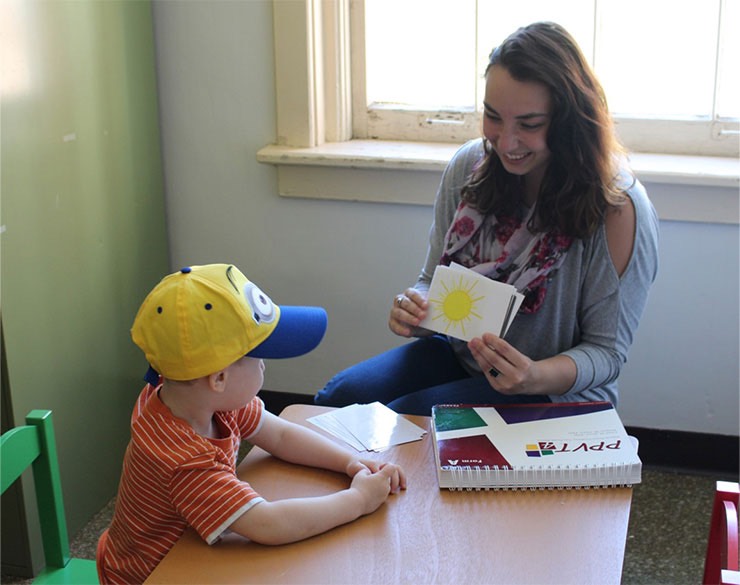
<point x="508" y="370"/>
<point x="511" y="372"/>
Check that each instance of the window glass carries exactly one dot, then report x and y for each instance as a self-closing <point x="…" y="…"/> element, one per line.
<point x="420" y="52"/>
<point x="657" y="66"/>
<point x="497" y="20"/>
<point x="432" y="53"/>
<point x="669" y="69"/>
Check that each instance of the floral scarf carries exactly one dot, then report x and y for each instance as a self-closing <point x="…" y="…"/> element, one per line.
<point x="505" y="250"/>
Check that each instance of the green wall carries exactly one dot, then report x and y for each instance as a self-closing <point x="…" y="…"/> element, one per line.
<point x="84" y="225"/>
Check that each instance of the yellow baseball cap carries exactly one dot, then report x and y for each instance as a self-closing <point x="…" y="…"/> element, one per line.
<point x="201" y="319"/>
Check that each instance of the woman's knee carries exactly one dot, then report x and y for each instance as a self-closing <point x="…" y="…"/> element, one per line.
<point x="390" y="375"/>
<point x="339" y="391"/>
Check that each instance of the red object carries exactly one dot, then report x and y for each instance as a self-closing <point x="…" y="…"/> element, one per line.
<point x="721" y="564"/>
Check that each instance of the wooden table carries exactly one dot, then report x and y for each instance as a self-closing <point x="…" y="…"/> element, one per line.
<point x="423" y="535"/>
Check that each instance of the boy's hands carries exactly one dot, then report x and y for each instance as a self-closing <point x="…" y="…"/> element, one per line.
<point x="356" y="465"/>
<point x="397" y="477"/>
<point x="374" y="487"/>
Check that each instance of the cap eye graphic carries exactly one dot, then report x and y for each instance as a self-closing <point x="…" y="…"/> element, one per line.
<point x="263" y="309"/>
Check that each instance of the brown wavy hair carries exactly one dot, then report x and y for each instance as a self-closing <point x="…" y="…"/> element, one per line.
<point x="579" y="183"/>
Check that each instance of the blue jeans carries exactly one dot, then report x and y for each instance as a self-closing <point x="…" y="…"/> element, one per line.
<point x="413" y="377"/>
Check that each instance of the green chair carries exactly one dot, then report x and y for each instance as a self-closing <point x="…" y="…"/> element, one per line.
<point x="33" y="444"/>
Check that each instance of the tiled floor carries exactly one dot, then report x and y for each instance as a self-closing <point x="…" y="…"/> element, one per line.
<point x="666" y="542"/>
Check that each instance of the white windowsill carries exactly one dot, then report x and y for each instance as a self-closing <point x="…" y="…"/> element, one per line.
<point x="409" y="173"/>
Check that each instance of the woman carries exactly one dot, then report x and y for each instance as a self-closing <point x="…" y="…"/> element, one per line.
<point x="546" y="203"/>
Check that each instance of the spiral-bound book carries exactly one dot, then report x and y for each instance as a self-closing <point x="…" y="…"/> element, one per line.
<point x="531" y="446"/>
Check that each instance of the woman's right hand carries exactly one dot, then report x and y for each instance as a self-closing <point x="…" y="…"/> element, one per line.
<point x="409" y="308"/>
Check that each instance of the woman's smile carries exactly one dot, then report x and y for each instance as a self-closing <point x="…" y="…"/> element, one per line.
<point x="516" y="121"/>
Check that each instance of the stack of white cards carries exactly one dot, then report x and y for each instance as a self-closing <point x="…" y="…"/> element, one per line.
<point x="368" y="427"/>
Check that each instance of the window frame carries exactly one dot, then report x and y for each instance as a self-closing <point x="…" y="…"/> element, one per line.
<point x="313" y="77"/>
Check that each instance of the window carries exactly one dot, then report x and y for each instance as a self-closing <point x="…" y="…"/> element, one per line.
<point x="669" y="71"/>
<point x="326" y="148"/>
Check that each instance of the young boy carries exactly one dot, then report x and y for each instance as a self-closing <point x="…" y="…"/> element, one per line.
<point x="205" y="330"/>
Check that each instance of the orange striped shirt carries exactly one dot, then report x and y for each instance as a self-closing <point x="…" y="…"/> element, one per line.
<point x="173" y="478"/>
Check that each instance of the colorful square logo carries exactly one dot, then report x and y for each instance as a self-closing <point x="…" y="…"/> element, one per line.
<point x="541" y="449"/>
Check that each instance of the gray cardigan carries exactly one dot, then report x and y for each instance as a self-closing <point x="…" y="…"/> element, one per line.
<point x="589" y="314"/>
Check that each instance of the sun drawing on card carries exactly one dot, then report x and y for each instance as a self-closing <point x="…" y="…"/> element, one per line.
<point x="456" y="305"/>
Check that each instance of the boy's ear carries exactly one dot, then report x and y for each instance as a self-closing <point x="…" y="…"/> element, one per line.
<point x="217" y="381"/>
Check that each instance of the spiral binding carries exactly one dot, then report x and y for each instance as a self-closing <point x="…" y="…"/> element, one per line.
<point x="553" y="477"/>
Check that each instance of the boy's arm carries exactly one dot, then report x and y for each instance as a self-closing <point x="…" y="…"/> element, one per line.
<point x="297" y="444"/>
<point x="291" y="520"/>
<point x="294" y="519"/>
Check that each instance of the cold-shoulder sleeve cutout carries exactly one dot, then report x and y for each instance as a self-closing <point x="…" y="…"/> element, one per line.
<point x="620" y="234"/>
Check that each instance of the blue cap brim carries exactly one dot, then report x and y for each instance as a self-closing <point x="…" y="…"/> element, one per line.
<point x="299" y="330"/>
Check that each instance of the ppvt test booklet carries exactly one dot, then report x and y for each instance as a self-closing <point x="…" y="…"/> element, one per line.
<point x="465" y="304"/>
<point x="522" y="446"/>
